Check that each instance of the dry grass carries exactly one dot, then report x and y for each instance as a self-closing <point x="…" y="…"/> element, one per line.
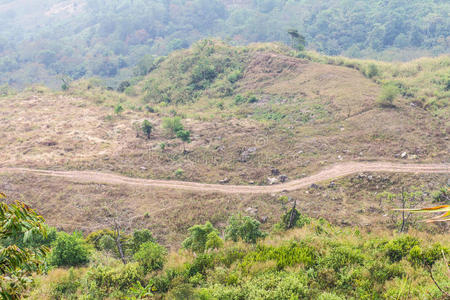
<point x="309" y="115"/>
<point x="168" y="214"/>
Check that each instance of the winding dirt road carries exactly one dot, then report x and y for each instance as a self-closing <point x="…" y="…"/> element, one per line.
<point x="335" y="171"/>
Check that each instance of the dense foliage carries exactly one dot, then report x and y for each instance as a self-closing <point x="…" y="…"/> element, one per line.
<point x="23" y="239"/>
<point x="318" y="261"/>
<point x="45" y="39"/>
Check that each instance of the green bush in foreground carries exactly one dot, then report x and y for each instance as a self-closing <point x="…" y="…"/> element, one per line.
<point x="151" y="256"/>
<point x="301" y="263"/>
<point x="69" y="250"/>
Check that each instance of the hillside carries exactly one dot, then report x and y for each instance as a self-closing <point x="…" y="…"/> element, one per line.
<point x="44" y="40"/>
<point x="255" y="113"/>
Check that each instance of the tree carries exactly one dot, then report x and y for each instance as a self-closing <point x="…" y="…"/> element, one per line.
<point x="151" y="256"/>
<point x="298" y="41"/>
<point x="147" y="128"/>
<point x="245" y="228"/>
<point x="198" y="237"/>
<point x="17" y="262"/>
<point x="185" y="136"/>
<point x="69" y="250"/>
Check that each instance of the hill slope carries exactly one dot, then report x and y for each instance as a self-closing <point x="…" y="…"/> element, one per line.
<point x="254" y="113"/>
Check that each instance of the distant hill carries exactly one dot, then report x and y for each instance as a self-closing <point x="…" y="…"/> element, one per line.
<point x="43" y="40"/>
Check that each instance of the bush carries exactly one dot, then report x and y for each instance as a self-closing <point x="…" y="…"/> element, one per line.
<point x="172" y="125"/>
<point x="107" y="243"/>
<point x="123" y="85"/>
<point x="245" y="228"/>
<point x="213" y="241"/>
<point x="118" y="109"/>
<point x="198" y="237"/>
<point x="427" y="257"/>
<point x="140" y="237"/>
<point x="94" y="237"/>
<point x="372" y="71"/>
<point x="388" y="95"/>
<point x="69" y="250"/>
<point x="151" y="256"/>
<point x="398" y="248"/>
<point x="147" y="128"/>
<point x="239" y="99"/>
<point x="342" y="256"/>
<point x="106" y="280"/>
<point x="299" y="220"/>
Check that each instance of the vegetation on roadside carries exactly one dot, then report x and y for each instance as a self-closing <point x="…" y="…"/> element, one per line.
<point x="316" y="261"/>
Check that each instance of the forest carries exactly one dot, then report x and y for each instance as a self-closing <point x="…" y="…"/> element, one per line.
<point x="46" y="40"/>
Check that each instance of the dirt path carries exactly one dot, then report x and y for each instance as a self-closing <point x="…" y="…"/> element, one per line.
<point x="338" y="170"/>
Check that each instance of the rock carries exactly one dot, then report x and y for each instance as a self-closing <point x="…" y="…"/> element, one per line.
<point x="225" y="180"/>
<point x="251" y="210"/>
<point x="251" y="182"/>
<point x="340" y="157"/>
<point x="275" y="172"/>
<point x="49" y="143"/>
<point x="244" y="156"/>
<point x="300" y="152"/>
<point x="404" y="155"/>
<point x="143" y="168"/>
<point x="272" y="180"/>
<point x="263" y="219"/>
<point x="283" y="178"/>
<point x="332" y="185"/>
<point x="314" y="186"/>
<point x="251" y="149"/>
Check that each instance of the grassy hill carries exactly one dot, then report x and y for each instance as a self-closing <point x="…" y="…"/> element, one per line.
<point x="250" y="110"/>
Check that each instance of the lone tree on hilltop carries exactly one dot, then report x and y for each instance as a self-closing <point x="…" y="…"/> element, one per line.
<point x="298" y="41"/>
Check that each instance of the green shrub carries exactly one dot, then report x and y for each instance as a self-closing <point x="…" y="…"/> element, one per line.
<point x="172" y="125"/>
<point x="245" y="228"/>
<point x="104" y="281"/>
<point x="427" y="257"/>
<point x="69" y="250"/>
<point x="107" y="243"/>
<point x="239" y="99"/>
<point x="442" y="195"/>
<point x="140" y="237"/>
<point x="200" y="264"/>
<point x="94" y="237"/>
<point x="372" y="71"/>
<point x="299" y="220"/>
<point x="118" y="109"/>
<point x="123" y="85"/>
<point x="151" y="256"/>
<point x="388" y="95"/>
<point x="342" y="256"/>
<point x="398" y="248"/>
<point x="179" y="173"/>
<point x="234" y="76"/>
<point x="147" y="128"/>
<point x="213" y="241"/>
<point x="198" y="237"/>
<point x="290" y="254"/>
